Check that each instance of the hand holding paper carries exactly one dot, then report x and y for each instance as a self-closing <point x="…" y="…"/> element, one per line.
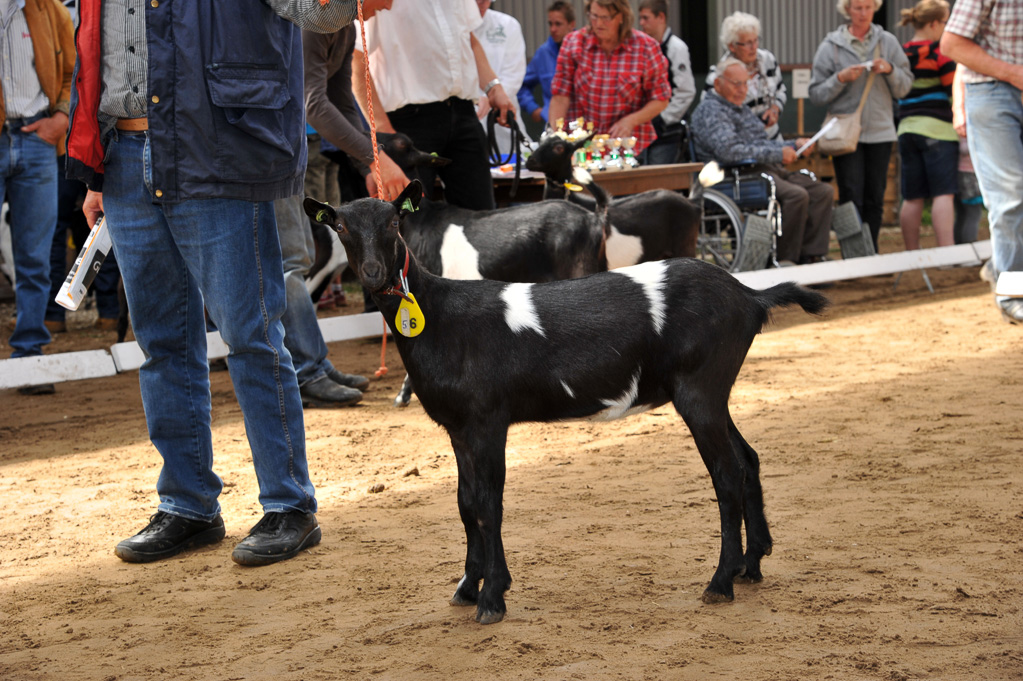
<point x="820" y="133"/>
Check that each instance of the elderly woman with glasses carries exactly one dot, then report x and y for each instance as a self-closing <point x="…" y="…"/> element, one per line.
<point x="611" y="75"/>
<point x="766" y="96"/>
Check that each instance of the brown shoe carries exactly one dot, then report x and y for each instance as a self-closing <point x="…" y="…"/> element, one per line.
<point x="55" y="326"/>
<point x="105" y="324"/>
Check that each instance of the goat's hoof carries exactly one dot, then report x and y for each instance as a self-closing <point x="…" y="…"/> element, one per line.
<point x="748" y="578"/>
<point x="489" y="617"/>
<point x="461" y="600"/>
<point x="400" y="403"/>
<point x="712" y="597"/>
<point x="768" y="549"/>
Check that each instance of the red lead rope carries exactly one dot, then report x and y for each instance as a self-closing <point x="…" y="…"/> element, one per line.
<point x="376" y="166"/>
<point x="392" y="291"/>
<point x="369" y="105"/>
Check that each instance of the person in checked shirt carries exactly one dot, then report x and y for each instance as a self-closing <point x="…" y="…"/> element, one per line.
<point x="611" y="75"/>
<point x="986" y="36"/>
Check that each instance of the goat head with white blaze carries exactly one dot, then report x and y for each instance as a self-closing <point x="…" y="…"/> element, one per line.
<point x="486" y="354"/>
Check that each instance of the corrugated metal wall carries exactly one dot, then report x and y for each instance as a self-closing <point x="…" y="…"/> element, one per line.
<point x="792" y="29"/>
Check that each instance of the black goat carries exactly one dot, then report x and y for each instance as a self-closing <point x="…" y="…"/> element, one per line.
<point x="535" y="242"/>
<point x="489" y="354"/>
<point x="651" y="225"/>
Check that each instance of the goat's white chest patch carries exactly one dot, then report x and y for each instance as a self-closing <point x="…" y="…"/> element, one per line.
<point x="519" y="311"/>
<point x="623" y="250"/>
<point x="458" y="258"/>
<point x="650" y="275"/>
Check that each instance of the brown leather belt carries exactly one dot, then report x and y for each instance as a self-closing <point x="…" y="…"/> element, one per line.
<point x="132" y="124"/>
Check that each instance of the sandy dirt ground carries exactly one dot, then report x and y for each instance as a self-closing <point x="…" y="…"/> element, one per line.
<point x="892" y="460"/>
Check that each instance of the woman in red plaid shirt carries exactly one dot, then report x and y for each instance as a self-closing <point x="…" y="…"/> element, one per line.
<point x="611" y="75"/>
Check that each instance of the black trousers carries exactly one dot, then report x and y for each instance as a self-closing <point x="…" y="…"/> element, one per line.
<point x="450" y="129"/>
<point x="862" y="178"/>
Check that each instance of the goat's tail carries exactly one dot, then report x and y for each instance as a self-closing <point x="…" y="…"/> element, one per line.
<point x="603" y="199"/>
<point x="790" y="293"/>
<point x="709" y="176"/>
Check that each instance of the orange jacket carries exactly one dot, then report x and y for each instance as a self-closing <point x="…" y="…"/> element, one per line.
<point x="53" y="43"/>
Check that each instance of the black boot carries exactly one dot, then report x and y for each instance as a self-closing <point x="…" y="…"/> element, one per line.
<point x="324" y="392"/>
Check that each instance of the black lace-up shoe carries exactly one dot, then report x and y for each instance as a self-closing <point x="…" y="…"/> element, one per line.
<point x="348" y="380"/>
<point x="277" y="537"/>
<point x="167" y="535"/>
<point x="324" y="392"/>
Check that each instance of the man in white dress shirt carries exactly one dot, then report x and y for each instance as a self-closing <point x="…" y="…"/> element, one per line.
<point x="427" y="68"/>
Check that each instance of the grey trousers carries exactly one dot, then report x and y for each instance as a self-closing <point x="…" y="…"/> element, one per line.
<point x="806" y="207"/>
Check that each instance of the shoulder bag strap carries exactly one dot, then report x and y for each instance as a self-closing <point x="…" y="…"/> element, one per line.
<point x="870" y="82"/>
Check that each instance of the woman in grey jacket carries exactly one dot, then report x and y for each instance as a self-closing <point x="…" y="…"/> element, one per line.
<point x="839" y="78"/>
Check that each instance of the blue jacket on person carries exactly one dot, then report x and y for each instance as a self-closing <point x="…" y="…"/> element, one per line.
<point x="226" y="103"/>
<point x="539" y="72"/>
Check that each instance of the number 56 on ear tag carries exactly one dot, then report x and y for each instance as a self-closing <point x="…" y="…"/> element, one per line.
<point x="410" y="320"/>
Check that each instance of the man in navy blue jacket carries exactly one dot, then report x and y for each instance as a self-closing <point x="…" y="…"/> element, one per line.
<point x="185" y="137"/>
<point x="540" y="71"/>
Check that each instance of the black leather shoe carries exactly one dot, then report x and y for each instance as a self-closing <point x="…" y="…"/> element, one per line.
<point x="278" y="536"/>
<point x="1012" y="310"/>
<point x="167" y="535"/>
<point x="348" y="380"/>
<point x="324" y="392"/>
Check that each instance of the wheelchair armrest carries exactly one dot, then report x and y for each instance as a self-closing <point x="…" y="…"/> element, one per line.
<point x="742" y="165"/>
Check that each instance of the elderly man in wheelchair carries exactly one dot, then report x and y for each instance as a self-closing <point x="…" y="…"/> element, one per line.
<point x="725" y="130"/>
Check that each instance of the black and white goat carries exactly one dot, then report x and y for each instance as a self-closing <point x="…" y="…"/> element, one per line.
<point x="651" y="225"/>
<point x="489" y="354"/>
<point x="536" y="242"/>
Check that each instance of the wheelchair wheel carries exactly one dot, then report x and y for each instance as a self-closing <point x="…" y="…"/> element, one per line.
<point x="721" y="230"/>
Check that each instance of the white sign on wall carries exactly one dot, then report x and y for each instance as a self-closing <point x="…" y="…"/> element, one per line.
<point x="801" y="83"/>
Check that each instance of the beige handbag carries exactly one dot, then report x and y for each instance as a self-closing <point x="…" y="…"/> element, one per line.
<point x="844" y="134"/>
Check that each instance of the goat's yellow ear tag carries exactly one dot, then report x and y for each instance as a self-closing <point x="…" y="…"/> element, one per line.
<point x="321" y="216"/>
<point x="410" y="320"/>
<point x="407" y="206"/>
<point x="573" y="187"/>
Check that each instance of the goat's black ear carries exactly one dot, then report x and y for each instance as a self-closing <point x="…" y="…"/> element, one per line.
<point x="320" y="212"/>
<point x="408" y="200"/>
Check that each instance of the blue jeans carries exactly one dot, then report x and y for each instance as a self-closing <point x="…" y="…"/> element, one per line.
<point x="28" y="178"/>
<point x="173" y="259"/>
<point x="994" y="121"/>
<point x="69" y="195"/>
<point x="301" y="329"/>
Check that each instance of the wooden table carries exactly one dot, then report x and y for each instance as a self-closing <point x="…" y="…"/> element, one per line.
<point x="617" y="182"/>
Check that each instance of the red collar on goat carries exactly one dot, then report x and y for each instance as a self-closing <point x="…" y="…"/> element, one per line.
<point x="402" y="289"/>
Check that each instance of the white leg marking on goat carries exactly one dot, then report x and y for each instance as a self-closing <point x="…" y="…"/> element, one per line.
<point x="568" y="390"/>
<point x="623" y="250"/>
<point x="458" y="258"/>
<point x="650" y="275"/>
<point x="622" y="406"/>
<point x="520" y="314"/>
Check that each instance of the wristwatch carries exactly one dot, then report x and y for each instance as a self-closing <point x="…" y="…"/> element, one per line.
<point x="491" y="85"/>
